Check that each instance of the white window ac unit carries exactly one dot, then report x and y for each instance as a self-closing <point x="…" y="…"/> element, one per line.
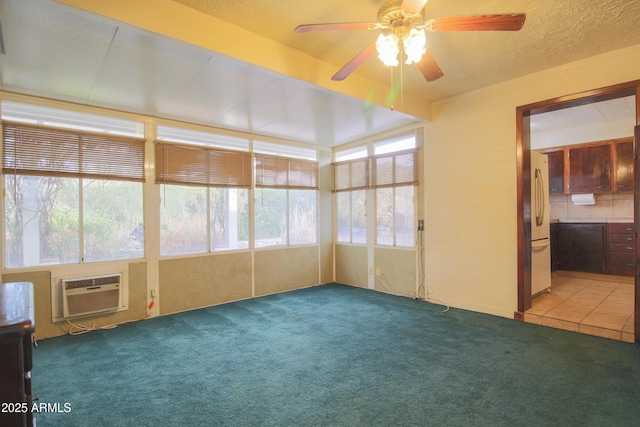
<point x="83" y="296"/>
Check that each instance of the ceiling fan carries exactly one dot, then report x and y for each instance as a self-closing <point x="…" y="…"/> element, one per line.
<point x="402" y="27"/>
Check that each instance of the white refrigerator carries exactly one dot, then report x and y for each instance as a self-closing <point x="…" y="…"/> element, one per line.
<point x="540" y="243"/>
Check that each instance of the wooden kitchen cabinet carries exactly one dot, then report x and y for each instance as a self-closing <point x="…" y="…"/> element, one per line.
<point x="594" y="248"/>
<point x="555" y="160"/>
<point x="621" y="249"/>
<point x="590" y="169"/>
<point x="595" y="167"/>
<point x="581" y="247"/>
<point x="624" y="165"/>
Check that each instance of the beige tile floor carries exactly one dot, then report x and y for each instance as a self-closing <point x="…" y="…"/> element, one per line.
<point x="590" y="304"/>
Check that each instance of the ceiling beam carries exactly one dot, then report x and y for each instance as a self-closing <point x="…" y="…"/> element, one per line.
<point x="180" y="22"/>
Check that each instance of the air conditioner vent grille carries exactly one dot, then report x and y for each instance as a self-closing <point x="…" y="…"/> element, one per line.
<point x="90" y="295"/>
<point x="108" y="280"/>
<point x="89" y="282"/>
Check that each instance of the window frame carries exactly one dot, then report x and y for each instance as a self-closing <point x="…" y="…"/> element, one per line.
<point x="197" y="165"/>
<point x="288" y="174"/>
<point x="388" y="163"/>
<point x="33" y="150"/>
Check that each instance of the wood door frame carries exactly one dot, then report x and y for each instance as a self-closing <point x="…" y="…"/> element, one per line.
<point x="523" y="166"/>
<point x="636" y="218"/>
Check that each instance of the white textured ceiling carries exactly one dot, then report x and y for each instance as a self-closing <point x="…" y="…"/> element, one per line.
<point x="60" y="52"/>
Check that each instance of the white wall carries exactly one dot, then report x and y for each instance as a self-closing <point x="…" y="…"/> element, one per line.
<point x="470" y="176"/>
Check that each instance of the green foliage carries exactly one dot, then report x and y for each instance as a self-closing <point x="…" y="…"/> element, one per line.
<point x="110" y="210"/>
<point x="270" y="215"/>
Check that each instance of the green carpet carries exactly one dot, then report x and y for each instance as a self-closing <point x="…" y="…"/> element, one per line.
<point x="336" y="355"/>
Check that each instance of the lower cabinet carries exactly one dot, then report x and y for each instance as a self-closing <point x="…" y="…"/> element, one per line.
<point x="581" y="247"/>
<point x="621" y="249"/>
<point x="594" y="248"/>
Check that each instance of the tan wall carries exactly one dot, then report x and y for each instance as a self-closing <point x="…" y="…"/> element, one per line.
<point x="194" y="282"/>
<point x="45" y="328"/>
<point x="187" y="284"/>
<point x="470" y="171"/>
<point x="395" y="271"/>
<point x="282" y="270"/>
<point x="351" y="265"/>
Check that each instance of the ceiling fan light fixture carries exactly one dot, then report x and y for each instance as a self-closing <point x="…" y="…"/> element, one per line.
<point x="388" y="49"/>
<point x="414" y="45"/>
<point x="402" y="26"/>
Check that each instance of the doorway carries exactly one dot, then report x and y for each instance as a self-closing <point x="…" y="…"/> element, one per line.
<point x="523" y="126"/>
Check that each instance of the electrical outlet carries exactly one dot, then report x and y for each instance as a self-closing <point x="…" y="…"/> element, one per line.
<point x="420" y="224"/>
<point x="378" y="271"/>
<point x="153" y="293"/>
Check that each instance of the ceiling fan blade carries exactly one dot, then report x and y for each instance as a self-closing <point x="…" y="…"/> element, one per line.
<point x="500" y="22"/>
<point x="413" y="6"/>
<point x="306" y="28"/>
<point x="354" y="63"/>
<point x="429" y="68"/>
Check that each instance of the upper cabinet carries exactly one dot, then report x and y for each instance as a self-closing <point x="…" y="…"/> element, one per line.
<point x="601" y="167"/>
<point x="555" y="160"/>
<point x="590" y="169"/>
<point x="624" y="165"/>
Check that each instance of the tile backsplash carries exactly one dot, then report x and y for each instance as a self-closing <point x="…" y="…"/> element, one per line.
<point x="608" y="206"/>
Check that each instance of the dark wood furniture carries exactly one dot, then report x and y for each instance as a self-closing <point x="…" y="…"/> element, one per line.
<point x="624" y="165"/>
<point x="555" y="161"/>
<point x="595" y="167"/>
<point x="17" y="324"/>
<point x="581" y="247"/>
<point x="621" y="249"/>
<point x="593" y="248"/>
<point x="590" y="169"/>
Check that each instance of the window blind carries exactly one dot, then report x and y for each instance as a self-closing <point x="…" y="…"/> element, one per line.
<point x="283" y="172"/>
<point x="203" y="166"/>
<point x="37" y="150"/>
<point x="351" y="175"/>
<point x="400" y="168"/>
<point x="385" y="170"/>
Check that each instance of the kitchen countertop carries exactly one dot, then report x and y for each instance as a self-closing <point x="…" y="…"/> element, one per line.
<point x="592" y="220"/>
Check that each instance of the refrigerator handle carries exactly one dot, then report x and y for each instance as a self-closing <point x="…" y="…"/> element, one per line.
<point x="543" y="209"/>
<point x="537" y="244"/>
<point x="536" y="201"/>
<point x="540" y="199"/>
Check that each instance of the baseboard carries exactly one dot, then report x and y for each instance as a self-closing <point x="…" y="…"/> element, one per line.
<point x="593" y="276"/>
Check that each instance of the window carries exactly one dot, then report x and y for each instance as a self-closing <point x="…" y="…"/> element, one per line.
<point x="205" y="198"/>
<point x="270" y="217"/>
<point x="392" y="173"/>
<point x="285" y="201"/>
<point x="183" y="219"/>
<point x="352" y="218"/>
<point x="112" y="209"/>
<point x="351" y="182"/>
<point x="394" y="177"/>
<point x="353" y="153"/>
<point x="394" y="215"/>
<point x="72" y="195"/>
